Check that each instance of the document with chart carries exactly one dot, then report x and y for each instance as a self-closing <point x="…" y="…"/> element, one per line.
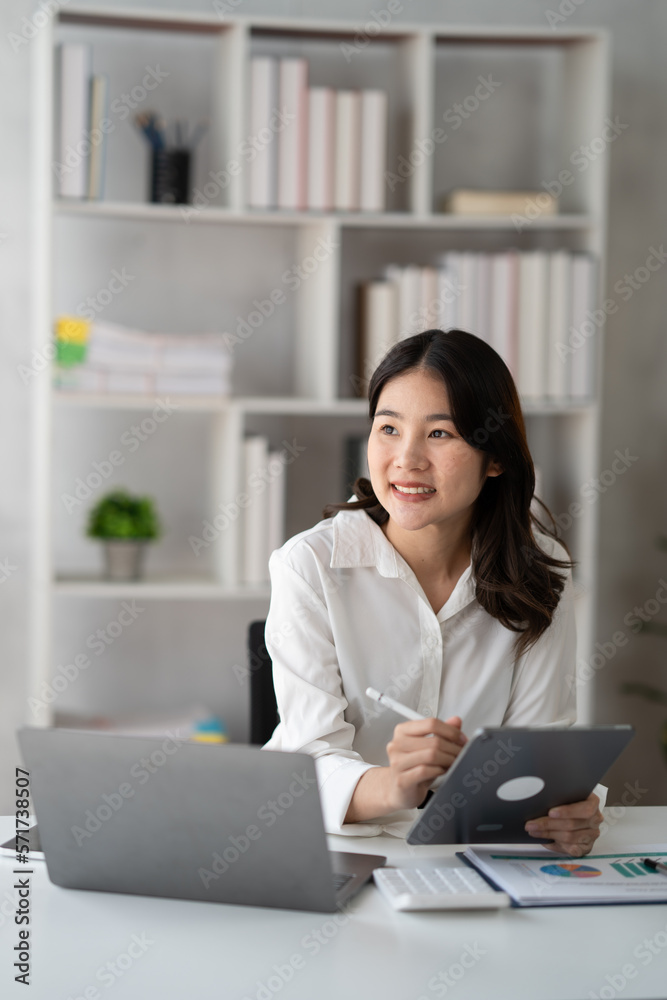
<point x="536" y="877"/>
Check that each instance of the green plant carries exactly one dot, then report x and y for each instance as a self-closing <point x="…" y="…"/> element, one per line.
<point x="120" y="516"/>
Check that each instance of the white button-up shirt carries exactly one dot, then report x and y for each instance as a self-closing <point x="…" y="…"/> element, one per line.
<point x="348" y="613"/>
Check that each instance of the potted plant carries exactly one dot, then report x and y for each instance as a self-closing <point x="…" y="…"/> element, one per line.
<point x="125" y="524"/>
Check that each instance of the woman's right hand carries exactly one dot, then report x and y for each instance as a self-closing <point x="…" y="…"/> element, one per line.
<point x="419" y="752"/>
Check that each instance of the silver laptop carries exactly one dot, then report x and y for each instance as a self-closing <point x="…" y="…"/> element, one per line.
<point x="159" y="816"/>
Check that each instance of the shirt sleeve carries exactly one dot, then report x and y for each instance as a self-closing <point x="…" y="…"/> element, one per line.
<point x="309" y="694"/>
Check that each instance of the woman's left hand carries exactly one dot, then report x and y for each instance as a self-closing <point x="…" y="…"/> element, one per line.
<point x="574" y="828"/>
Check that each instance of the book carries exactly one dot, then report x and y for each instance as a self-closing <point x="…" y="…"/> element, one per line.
<point x="379" y="327"/>
<point x="373" y="129"/>
<point x="532" y="314"/>
<point x="348" y="150"/>
<point x="276" y="502"/>
<point x="254" y="566"/>
<point x="263" y="104"/>
<point x="292" y="140"/>
<point x="449" y="293"/>
<point x="465" y="201"/>
<point x="583" y="330"/>
<point x="321" y="148"/>
<point x="504" y="306"/>
<point x="74" y="102"/>
<point x="99" y="95"/>
<point x="535" y="876"/>
<point x="428" y="309"/>
<point x="558" y="368"/>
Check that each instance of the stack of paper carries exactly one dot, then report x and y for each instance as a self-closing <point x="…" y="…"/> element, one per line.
<point x="263" y="484"/>
<point x="121" y="360"/>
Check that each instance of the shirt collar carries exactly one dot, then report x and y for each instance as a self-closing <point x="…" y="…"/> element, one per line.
<point x="358" y="541"/>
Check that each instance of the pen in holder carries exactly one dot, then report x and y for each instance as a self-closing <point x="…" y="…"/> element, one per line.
<point x="170" y="165"/>
<point x="170" y="176"/>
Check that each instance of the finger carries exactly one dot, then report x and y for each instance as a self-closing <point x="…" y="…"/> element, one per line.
<point x="407" y="743"/>
<point x="588" y="807"/>
<point x="428" y="727"/>
<point x="431" y="756"/>
<point x="577" y="850"/>
<point x="553" y="827"/>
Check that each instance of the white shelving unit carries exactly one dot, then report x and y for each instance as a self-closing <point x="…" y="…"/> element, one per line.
<point x="293" y="377"/>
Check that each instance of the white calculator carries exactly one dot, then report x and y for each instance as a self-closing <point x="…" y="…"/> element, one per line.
<point x="438" y="889"/>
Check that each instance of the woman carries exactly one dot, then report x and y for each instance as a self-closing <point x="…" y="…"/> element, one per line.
<point x="437" y="585"/>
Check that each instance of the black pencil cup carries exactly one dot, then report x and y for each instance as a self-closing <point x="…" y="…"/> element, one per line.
<point x="170" y="176"/>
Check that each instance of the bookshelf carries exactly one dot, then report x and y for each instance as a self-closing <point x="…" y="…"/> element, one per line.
<point x="293" y="376"/>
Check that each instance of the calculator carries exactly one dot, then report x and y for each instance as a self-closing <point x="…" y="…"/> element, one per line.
<point x="438" y="889"/>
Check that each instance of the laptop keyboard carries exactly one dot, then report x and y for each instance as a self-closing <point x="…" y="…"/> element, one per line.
<point x="340" y="879"/>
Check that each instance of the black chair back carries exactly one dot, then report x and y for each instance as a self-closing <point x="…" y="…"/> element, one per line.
<point x="263" y="708"/>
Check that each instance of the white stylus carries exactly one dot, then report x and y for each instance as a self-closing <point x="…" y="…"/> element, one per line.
<point x="384" y="699"/>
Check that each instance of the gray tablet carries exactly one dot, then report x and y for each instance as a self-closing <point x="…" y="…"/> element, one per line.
<point x="504" y="777"/>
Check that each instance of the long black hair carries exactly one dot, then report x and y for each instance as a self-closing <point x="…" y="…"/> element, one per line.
<point x="516" y="581"/>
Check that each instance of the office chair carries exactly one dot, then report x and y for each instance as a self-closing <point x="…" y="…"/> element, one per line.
<point x="263" y="708"/>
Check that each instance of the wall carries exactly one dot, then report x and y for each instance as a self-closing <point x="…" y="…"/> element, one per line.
<point x="632" y="509"/>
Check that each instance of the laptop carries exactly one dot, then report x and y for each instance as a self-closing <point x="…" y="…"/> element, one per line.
<point x="162" y="816"/>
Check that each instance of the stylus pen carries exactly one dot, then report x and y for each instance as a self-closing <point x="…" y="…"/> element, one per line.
<point x="384" y="699"/>
<point x="657" y="866"/>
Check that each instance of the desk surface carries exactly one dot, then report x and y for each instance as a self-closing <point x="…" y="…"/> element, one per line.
<point x="178" y="950"/>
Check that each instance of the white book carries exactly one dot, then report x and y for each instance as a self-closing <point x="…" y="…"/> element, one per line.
<point x="379" y="323"/>
<point x="373" y="150"/>
<point x="532" y="328"/>
<point x="192" y="384"/>
<point x="408" y="281"/>
<point x="482" y="325"/>
<point x="348" y="151"/>
<point x="558" y="322"/>
<point x="196" y="352"/>
<point x="292" y="141"/>
<point x="502" y="327"/>
<point x="99" y="91"/>
<point x="449" y="293"/>
<point x="429" y="313"/>
<point x="255" y="525"/>
<point x="277" y="491"/>
<point x="72" y="168"/>
<point x="321" y="147"/>
<point x="117" y="347"/>
<point x="129" y="382"/>
<point x="468" y="283"/>
<point x="582" y="385"/>
<point x="263" y="105"/>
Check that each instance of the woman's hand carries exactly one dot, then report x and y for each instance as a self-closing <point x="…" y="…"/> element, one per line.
<point x="574" y="828"/>
<point x="419" y="752"/>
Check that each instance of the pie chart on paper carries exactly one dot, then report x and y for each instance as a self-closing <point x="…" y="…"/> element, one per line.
<point x="571" y="871"/>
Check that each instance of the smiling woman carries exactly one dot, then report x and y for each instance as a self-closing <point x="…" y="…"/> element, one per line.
<point x="436" y="583"/>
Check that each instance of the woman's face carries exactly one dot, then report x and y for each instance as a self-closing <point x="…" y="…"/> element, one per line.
<point x="414" y="446"/>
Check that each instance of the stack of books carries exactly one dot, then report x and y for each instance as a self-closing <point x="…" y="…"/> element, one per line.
<point x="121" y="360"/>
<point x="264" y="486"/>
<point x="535" y="308"/>
<point x="314" y="147"/>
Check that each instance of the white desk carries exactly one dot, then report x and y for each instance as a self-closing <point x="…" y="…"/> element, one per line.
<point x="208" y="950"/>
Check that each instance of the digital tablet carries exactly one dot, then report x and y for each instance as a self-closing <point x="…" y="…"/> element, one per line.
<point x="504" y="777"/>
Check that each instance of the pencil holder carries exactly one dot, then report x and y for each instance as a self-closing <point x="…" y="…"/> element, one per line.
<point x="170" y="176"/>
